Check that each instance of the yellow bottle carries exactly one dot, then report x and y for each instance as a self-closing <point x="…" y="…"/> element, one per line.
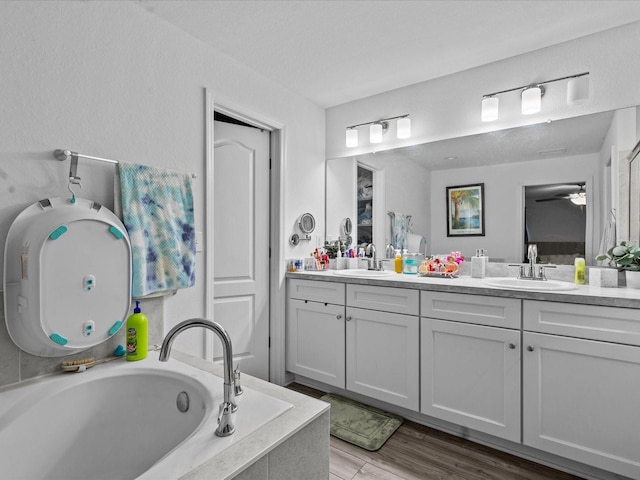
<point x="398" y="262"/>
<point x="581" y="271"/>
<point x="137" y="335"/>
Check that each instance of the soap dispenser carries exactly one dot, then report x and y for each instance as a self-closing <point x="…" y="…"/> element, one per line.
<point x="137" y="335"/>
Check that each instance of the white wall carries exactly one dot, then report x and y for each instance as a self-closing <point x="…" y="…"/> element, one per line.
<point x="450" y="106"/>
<point x="504" y="201"/>
<point x="112" y="80"/>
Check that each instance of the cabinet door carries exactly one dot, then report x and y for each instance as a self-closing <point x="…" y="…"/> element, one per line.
<point x="383" y="356"/>
<point x="471" y="376"/>
<point x="582" y="401"/>
<point x="315" y="341"/>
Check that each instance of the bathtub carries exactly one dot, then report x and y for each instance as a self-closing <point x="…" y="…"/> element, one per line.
<point x="122" y="420"/>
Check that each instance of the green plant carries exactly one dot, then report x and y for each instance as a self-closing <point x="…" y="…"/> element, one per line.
<point x="625" y="256"/>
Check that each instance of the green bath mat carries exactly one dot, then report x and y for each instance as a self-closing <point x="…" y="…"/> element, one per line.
<point x="364" y="426"/>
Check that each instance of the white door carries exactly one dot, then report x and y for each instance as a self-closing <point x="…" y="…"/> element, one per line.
<point x="470" y="375"/>
<point x="383" y="357"/>
<point x="315" y="341"/>
<point x="241" y="244"/>
<point x="580" y="400"/>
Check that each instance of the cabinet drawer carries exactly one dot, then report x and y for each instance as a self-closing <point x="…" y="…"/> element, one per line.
<point x="610" y="324"/>
<point x="326" y="292"/>
<point x="478" y="309"/>
<point x="385" y="299"/>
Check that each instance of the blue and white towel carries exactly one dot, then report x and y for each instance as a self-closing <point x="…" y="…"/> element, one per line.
<point x="399" y="227"/>
<point x="157" y="210"/>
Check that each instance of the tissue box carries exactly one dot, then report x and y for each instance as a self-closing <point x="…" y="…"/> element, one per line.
<point x="603" y="277"/>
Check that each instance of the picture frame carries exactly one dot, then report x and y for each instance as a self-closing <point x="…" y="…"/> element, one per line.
<point x="465" y="210"/>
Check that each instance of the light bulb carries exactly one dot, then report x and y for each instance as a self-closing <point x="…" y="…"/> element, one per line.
<point x="404" y="127"/>
<point x="352" y="137"/>
<point x="489" y="109"/>
<point x="375" y="133"/>
<point x="531" y="100"/>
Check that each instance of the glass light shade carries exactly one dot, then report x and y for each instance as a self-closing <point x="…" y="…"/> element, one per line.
<point x="375" y="133"/>
<point x="489" y="109"/>
<point x="579" y="199"/>
<point x="578" y="90"/>
<point x="531" y="100"/>
<point x="352" y="137"/>
<point x="404" y="127"/>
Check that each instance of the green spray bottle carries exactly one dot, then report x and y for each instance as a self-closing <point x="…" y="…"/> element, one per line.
<point x="137" y="335"/>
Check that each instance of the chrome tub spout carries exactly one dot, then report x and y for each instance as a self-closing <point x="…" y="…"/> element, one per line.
<point x="226" y="414"/>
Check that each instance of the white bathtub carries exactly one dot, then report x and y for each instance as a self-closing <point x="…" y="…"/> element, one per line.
<point x="120" y="421"/>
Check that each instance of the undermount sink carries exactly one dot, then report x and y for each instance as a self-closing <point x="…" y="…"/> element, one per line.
<point x="359" y="272"/>
<point x="530" y="285"/>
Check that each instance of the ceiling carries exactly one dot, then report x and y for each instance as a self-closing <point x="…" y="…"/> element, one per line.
<point x="336" y="51"/>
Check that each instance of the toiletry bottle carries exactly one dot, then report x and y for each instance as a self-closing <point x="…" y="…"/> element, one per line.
<point x="580" y="271"/>
<point x="137" y="335"/>
<point x="398" y="262"/>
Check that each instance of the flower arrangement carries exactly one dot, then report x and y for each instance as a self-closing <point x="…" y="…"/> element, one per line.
<point x="455" y="257"/>
<point x="625" y="256"/>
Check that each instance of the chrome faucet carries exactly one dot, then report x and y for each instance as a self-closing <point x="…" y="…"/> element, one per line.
<point x="226" y="413"/>
<point x="532" y="254"/>
<point x="372" y="264"/>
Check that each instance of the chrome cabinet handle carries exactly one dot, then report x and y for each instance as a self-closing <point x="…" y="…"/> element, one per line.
<point x="349" y="318"/>
<point x="512" y="346"/>
<point x="530" y="348"/>
<point x="339" y="316"/>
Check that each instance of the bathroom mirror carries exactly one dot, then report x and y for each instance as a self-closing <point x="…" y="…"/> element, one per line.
<point x="346" y="227"/>
<point x="306" y="223"/>
<point x="565" y="151"/>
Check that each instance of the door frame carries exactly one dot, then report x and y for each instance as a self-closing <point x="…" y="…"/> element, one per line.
<point x="276" y="219"/>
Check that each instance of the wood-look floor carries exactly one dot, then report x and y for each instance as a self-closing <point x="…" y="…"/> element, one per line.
<point x="416" y="452"/>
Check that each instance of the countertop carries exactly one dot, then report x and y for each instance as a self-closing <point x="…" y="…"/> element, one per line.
<point x="584" y="294"/>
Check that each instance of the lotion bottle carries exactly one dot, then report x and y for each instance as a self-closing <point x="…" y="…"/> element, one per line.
<point x="137" y="335"/>
<point x="581" y="271"/>
<point x="398" y="262"/>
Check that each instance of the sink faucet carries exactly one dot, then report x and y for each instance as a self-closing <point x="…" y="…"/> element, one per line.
<point x="226" y="413"/>
<point x="372" y="264"/>
<point x="532" y="254"/>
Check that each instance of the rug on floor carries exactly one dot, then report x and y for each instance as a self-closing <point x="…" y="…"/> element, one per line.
<point x="362" y="425"/>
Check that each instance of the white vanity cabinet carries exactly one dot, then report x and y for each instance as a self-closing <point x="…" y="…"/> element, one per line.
<point x="315" y="331"/>
<point x="382" y="343"/>
<point x="581" y="395"/>
<point x="470" y="361"/>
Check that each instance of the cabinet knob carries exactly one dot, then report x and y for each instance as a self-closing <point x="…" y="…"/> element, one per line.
<point x="339" y="316"/>
<point x="512" y="346"/>
<point x="530" y="348"/>
<point x="349" y="318"/>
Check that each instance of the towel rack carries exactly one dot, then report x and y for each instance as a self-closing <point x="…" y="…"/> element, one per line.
<point x="63" y="155"/>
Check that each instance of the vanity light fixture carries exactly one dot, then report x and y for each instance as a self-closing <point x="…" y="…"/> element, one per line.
<point x="378" y="128"/>
<point x="531" y="95"/>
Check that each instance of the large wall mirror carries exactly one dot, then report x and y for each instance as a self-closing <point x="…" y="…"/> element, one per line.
<point x="559" y="160"/>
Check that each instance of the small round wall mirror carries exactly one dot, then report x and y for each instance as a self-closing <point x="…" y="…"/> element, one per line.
<point x="346" y="227"/>
<point x="306" y="223"/>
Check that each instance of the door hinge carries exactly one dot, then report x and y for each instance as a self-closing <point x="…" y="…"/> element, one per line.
<point x="269" y="252"/>
<point x="269" y="342"/>
<point x="269" y="163"/>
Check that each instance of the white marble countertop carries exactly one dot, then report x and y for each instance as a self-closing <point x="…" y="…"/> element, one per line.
<point x="583" y="294"/>
<point x="248" y="450"/>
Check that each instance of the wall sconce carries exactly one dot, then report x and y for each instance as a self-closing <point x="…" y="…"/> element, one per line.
<point x="531" y="96"/>
<point x="378" y="128"/>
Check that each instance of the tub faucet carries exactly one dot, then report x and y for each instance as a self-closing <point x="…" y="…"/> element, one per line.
<point x="226" y="413"/>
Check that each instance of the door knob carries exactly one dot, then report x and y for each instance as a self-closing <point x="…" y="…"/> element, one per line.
<point x="530" y="348"/>
<point x="338" y="316"/>
<point x="349" y="318"/>
<point x="512" y="346"/>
